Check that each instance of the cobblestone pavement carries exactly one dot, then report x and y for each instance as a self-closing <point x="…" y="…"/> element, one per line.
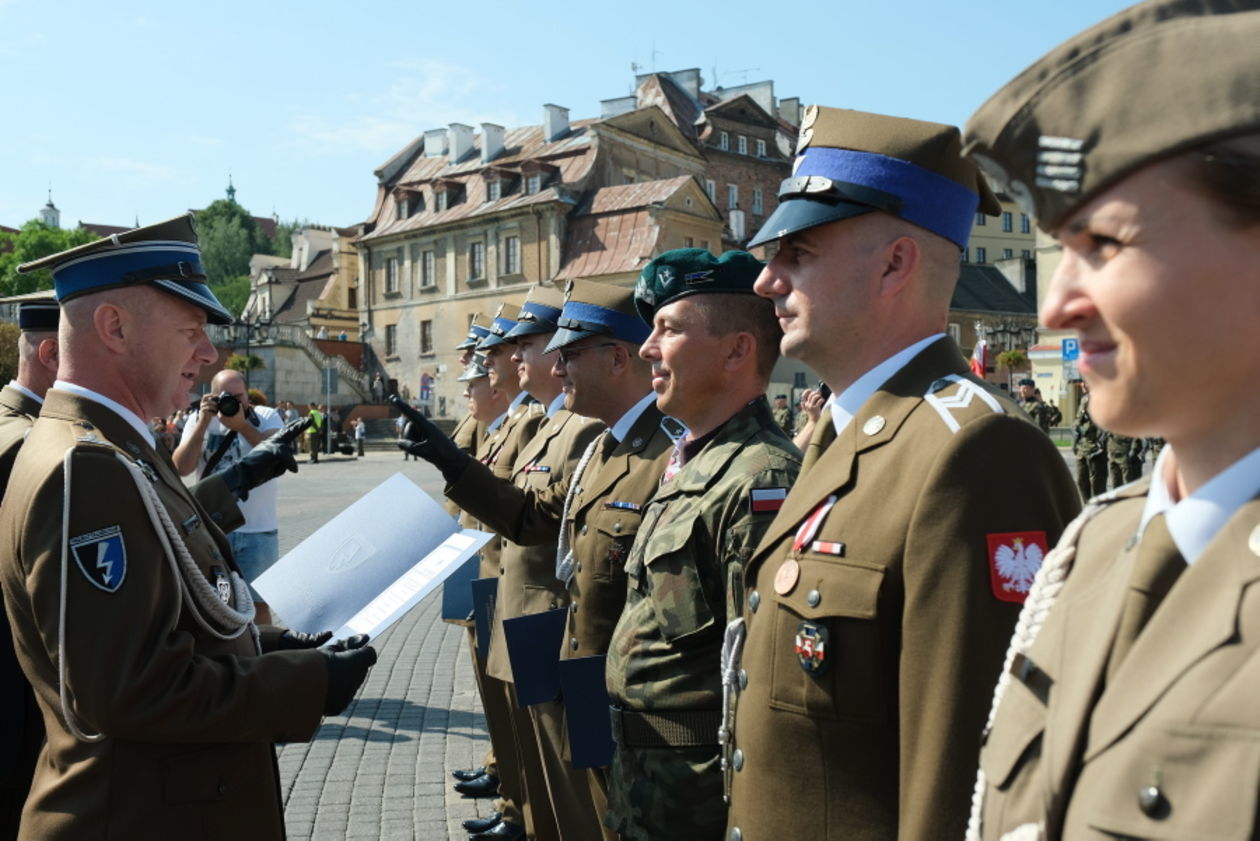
<point x="381" y="770"/>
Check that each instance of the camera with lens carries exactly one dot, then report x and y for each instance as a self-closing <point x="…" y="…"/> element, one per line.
<point x="228" y="404"/>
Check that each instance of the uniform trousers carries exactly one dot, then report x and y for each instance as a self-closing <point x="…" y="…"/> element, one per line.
<point x="540" y="820"/>
<point x="568" y="787"/>
<point x="507" y="808"/>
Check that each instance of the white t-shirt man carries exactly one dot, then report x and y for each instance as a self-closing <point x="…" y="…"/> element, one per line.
<point x="260" y="509"/>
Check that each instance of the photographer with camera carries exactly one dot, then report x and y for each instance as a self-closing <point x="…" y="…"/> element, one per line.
<point x="225" y="427"/>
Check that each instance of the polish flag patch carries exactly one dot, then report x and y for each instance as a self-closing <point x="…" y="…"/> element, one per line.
<point x="1014" y="558"/>
<point x="766" y="499"/>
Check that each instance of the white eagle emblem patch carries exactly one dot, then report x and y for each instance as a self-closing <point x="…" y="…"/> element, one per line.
<point x="1014" y="558"/>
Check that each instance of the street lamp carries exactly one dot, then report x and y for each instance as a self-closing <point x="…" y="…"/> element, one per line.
<point x="261" y="330"/>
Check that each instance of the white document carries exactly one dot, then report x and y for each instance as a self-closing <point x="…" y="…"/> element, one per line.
<point x="366" y="567"/>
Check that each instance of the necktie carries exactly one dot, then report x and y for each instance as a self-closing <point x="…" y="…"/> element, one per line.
<point x="1158" y="565"/>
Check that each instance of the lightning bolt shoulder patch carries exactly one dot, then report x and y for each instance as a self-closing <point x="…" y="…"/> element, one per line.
<point x="101" y="556"/>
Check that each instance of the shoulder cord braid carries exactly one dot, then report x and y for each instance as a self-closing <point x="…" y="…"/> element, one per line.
<point x="197" y="593"/>
<point x="564" y="550"/>
<point x="732" y="653"/>
<point x="1045" y="590"/>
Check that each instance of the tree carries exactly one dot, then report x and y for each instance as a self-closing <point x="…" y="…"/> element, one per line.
<point x="9" y="334"/>
<point x="226" y="246"/>
<point x="282" y="246"/>
<point x="35" y="240"/>
<point x="241" y="363"/>
<point x="233" y="293"/>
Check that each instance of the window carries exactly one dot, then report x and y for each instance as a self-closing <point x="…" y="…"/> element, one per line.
<point x="724" y="141"/>
<point x="966" y="255"/>
<point x="955" y="331"/>
<point x="732" y="196"/>
<point x="441" y="200"/>
<point x="494" y="190"/>
<point x="761" y="148"/>
<point x="352" y="298"/>
<point x="981" y="219"/>
<point x="391" y="276"/>
<point x="1025" y="253"/>
<point x="1007" y="225"/>
<point x="704" y="243"/>
<point x="980" y="254"/>
<point x="391" y="339"/>
<point x="688" y="242"/>
<point x="742" y="143"/>
<point x="476" y="260"/>
<point x="428" y="269"/>
<point x="426" y="337"/>
<point x="756" y="204"/>
<point x="1025" y="225"/>
<point x="533" y="184"/>
<point x="400" y="206"/>
<point x="711" y="188"/>
<point x="1007" y="253"/>
<point x="511" y="255"/>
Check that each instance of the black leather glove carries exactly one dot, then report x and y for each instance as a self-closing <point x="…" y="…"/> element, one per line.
<point x="349" y="643"/>
<point x="346" y="672"/>
<point x="426" y="441"/>
<point x="294" y="640"/>
<point x="271" y="458"/>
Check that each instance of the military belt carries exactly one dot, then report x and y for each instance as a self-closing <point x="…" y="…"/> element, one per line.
<point x="666" y="728"/>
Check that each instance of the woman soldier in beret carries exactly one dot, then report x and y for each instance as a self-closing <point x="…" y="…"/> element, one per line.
<point x="1129" y="703"/>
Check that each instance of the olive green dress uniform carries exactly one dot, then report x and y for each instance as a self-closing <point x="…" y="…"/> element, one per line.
<point x="600" y="535"/>
<point x="528" y="584"/>
<point x="467" y="435"/>
<point x="1164" y="744"/>
<point x="187" y="730"/>
<point x="872" y="734"/>
<point x="664" y="661"/>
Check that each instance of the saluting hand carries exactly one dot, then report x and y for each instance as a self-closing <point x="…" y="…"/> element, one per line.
<point x="422" y="439"/>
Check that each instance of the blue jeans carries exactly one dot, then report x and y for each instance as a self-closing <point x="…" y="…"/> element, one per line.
<point x="254" y="552"/>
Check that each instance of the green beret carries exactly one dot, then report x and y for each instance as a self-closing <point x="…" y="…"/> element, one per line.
<point x="1156" y="79"/>
<point x="693" y="271"/>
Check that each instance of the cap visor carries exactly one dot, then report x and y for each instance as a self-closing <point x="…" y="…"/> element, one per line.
<point x="529" y="328"/>
<point x="565" y="337"/>
<point x="200" y="295"/>
<point x="799" y="214"/>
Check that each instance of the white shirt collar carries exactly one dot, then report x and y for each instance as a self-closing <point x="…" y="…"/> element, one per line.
<point x="1195" y="520"/>
<point x="520" y="398"/>
<point x="17" y="386"/>
<point x="113" y="405"/>
<point x="497" y="422"/>
<point x="622" y="427"/>
<point x="846" y="403"/>
<point x="556" y="405"/>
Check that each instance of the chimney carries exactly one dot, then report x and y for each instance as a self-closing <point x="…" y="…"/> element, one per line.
<point x="689" y="81"/>
<point x="555" y="122"/>
<point x="790" y="109"/>
<point x="435" y="143"/>
<point x="461" y="141"/>
<point x="491" y="142"/>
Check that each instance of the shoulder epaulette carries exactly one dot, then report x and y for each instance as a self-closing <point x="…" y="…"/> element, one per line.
<point x="953" y="393"/>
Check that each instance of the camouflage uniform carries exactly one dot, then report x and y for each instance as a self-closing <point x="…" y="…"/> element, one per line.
<point x="684" y="581"/>
<point x="1091" y="457"/>
<point x="783" y="419"/>
<point x="1041" y="412"/>
<point x="1124" y="458"/>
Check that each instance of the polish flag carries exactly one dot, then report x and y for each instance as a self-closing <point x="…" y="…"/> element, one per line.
<point x="980" y="358"/>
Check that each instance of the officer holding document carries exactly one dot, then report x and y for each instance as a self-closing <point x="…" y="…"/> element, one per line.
<point x="161" y="697"/>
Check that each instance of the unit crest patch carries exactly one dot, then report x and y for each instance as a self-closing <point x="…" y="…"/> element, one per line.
<point x="101" y="556"/>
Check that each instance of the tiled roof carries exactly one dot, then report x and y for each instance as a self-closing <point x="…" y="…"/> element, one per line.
<point x="985" y="289"/>
<point x="294" y="308"/>
<point x="627" y="196"/>
<point x="664" y="92"/>
<point x="611" y="243"/>
<point x="320" y="267"/>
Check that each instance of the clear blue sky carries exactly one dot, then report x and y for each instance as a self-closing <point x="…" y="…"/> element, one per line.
<point x="140" y="110"/>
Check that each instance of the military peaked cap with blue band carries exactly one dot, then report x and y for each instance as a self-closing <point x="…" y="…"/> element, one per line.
<point x="598" y="309"/>
<point x="693" y="271"/>
<point x="165" y="255"/>
<point x="38" y="316"/>
<point x="1156" y="79"/>
<point x="849" y="163"/>
<point x="504" y="321"/>
<point x="474" y="370"/>
<point x="540" y="313"/>
<point x="478" y="329"/>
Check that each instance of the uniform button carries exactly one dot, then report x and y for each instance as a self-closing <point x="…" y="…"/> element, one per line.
<point x="553" y="604"/>
<point x="738" y="760"/>
<point x="1151" y="801"/>
<point x="573" y="608"/>
<point x="735" y="834"/>
<point x="754" y="599"/>
<point x="582" y="531"/>
<point x="743" y="678"/>
<point x="813" y="598"/>
<point x="617" y="528"/>
<point x="573" y="643"/>
<point x="500" y="570"/>
<point x="578" y="567"/>
<point x="223" y="787"/>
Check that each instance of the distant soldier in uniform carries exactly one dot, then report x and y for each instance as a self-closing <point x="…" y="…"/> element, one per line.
<point x="1089" y="447"/>
<point x="1129" y="703"/>
<point x="877" y="602"/>
<point x="1124" y="459"/>
<point x="160" y="696"/>
<point x="1030" y="401"/>
<point x="467" y="435"/>
<point x="712" y="349"/>
<point x="783" y="414"/>
<point x="595" y="512"/>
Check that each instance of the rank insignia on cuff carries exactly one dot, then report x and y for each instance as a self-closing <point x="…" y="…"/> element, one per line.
<point x="766" y="499"/>
<point x="101" y="556"/>
<point x="1014" y="558"/>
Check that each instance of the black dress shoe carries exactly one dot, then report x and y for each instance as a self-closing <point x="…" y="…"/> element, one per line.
<point x="487" y="785"/>
<point x="503" y="831"/>
<point x="466" y="774"/>
<point x="475" y="825"/>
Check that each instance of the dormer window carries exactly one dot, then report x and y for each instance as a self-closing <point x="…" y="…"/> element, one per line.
<point x="494" y="190"/>
<point x="761" y="148"/>
<point x="441" y="200"/>
<point x="533" y="183"/>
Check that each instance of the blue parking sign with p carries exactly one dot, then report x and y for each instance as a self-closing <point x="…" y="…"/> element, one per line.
<point x="1071" y="349"/>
